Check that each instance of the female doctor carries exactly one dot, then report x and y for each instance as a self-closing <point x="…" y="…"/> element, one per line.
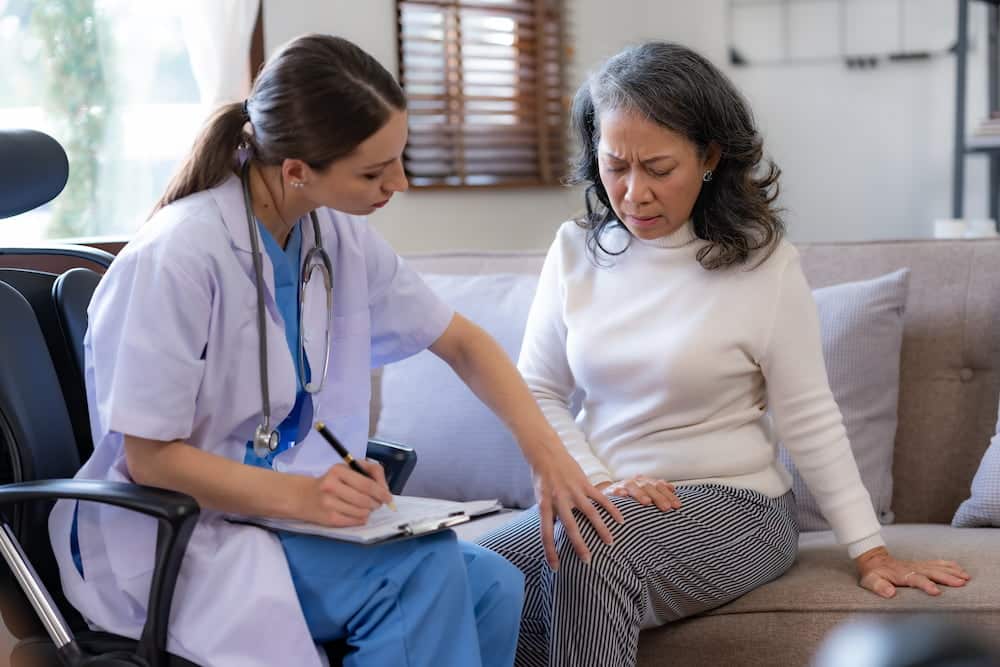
<point x="253" y="303"/>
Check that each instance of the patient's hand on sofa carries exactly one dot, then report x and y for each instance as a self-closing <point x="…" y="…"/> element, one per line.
<point x="881" y="573"/>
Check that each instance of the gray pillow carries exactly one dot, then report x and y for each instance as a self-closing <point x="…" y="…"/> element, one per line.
<point x="983" y="507"/>
<point x="861" y="326"/>
<point x="463" y="451"/>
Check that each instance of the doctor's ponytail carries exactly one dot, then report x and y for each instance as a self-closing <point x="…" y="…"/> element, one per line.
<point x="315" y="100"/>
<point x="211" y="159"/>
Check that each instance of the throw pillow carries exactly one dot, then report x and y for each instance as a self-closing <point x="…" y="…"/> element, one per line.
<point x="861" y="325"/>
<point x="982" y="508"/>
<point x="463" y="451"/>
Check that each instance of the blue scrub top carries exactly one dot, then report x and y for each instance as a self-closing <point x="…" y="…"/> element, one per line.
<point x="287" y="276"/>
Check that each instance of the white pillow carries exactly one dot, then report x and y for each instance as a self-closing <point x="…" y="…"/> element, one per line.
<point x="982" y="508"/>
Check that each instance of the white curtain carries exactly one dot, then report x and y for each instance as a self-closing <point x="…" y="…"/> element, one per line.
<point x="217" y="34"/>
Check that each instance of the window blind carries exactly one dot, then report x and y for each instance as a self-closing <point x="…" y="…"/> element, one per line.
<point x="484" y="83"/>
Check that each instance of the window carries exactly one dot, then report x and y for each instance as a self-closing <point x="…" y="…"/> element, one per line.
<point x="113" y="82"/>
<point x="485" y="87"/>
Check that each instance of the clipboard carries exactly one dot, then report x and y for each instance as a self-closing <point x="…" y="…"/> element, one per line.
<point x="416" y="516"/>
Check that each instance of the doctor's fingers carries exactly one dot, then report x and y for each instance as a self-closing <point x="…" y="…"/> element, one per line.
<point x="377" y="472"/>
<point x="342" y="482"/>
<point x="547" y="515"/>
<point x="340" y="514"/>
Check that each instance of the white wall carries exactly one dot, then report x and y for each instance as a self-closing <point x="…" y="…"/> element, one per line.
<point x="865" y="154"/>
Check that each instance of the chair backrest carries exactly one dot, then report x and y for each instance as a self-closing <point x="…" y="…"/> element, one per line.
<point x="38" y="288"/>
<point x="36" y="441"/>
<point x="71" y="294"/>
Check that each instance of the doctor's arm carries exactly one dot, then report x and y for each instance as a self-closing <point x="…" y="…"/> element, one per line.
<point x="560" y="484"/>
<point x="339" y="498"/>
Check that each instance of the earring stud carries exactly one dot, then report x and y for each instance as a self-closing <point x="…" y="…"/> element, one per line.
<point x="707" y="176"/>
<point x="298" y="184"/>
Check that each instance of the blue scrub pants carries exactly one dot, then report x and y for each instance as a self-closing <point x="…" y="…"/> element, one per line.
<point x="426" y="601"/>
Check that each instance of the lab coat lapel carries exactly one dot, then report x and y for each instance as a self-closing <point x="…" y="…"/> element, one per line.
<point x="229" y="198"/>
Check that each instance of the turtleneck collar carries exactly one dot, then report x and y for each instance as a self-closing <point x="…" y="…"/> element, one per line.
<point x="678" y="238"/>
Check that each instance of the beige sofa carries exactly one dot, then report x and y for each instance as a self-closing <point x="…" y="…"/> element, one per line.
<point x="947" y="415"/>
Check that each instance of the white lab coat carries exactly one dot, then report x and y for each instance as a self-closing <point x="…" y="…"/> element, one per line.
<point x="172" y="353"/>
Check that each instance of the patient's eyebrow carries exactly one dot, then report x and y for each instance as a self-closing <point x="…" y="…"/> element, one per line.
<point x="654" y="158"/>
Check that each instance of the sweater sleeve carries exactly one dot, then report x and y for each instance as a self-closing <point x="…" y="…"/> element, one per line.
<point x="546" y="370"/>
<point x="808" y="419"/>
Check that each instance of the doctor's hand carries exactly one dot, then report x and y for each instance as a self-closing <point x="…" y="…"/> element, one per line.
<point x="561" y="489"/>
<point x="880" y="573"/>
<point x="646" y="490"/>
<point x="343" y="497"/>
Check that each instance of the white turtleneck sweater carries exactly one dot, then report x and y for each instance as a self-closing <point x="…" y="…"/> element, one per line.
<point x="681" y="372"/>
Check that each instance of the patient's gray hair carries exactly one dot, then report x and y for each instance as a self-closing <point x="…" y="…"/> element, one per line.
<point x="683" y="92"/>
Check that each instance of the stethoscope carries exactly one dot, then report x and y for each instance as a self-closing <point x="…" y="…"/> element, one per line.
<point x="266" y="438"/>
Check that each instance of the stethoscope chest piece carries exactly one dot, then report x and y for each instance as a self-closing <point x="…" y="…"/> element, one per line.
<point x="265" y="440"/>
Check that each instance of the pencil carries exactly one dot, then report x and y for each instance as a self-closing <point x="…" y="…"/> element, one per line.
<point x="346" y="455"/>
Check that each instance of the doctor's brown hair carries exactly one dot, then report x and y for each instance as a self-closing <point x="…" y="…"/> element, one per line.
<point x="315" y="100"/>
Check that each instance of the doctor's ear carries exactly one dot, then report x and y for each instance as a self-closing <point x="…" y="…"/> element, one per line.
<point x="295" y="173"/>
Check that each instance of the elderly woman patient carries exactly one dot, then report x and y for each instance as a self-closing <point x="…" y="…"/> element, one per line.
<point x="679" y="311"/>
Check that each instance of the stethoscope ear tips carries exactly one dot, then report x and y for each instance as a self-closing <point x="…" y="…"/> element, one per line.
<point x="311" y="387"/>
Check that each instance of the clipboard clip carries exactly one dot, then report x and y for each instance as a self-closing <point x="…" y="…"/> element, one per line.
<point x="432" y="525"/>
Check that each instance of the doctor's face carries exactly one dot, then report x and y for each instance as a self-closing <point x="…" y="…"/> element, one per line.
<point x="365" y="180"/>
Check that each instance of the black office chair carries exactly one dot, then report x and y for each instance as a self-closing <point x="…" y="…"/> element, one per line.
<point x="39" y="452"/>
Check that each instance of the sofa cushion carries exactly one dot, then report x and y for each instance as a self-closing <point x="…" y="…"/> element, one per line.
<point x="982" y="508"/>
<point x="464" y="451"/>
<point x="862" y="331"/>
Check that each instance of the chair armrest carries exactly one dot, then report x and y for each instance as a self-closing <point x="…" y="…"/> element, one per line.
<point x="177" y="515"/>
<point x="97" y="256"/>
<point x="398" y="461"/>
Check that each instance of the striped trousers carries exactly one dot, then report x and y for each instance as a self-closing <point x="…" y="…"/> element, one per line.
<point x="663" y="566"/>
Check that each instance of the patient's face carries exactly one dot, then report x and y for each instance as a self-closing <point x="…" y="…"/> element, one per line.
<point x="652" y="175"/>
<point x="365" y="180"/>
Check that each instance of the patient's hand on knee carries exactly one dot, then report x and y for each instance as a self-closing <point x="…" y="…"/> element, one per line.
<point x="645" y="490"/>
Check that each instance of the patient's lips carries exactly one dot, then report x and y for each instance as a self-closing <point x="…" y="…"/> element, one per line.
<point x="648" y="221"/>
